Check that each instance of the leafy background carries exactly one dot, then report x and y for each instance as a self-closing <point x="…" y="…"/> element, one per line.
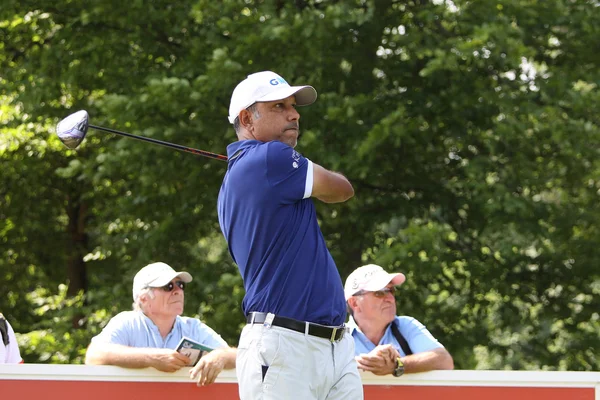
<point x="469" y="130"/>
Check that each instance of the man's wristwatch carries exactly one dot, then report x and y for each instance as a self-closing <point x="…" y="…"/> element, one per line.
<point x="399" y="370"/>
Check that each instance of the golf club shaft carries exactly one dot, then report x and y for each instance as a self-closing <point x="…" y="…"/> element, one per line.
<point x="167" y="144"/>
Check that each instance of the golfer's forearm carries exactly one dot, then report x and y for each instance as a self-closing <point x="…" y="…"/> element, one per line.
<point x="122" y="356"/>
<point x="329" y="186"/>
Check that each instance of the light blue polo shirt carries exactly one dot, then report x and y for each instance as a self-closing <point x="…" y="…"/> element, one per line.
<point x="417" y="336"/>
<point x="271" y="227"/>
<point x="134" y="329"/>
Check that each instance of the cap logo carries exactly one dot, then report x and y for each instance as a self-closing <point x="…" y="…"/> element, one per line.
<point x="277" y="81"/>
<point x="358" y="281"/>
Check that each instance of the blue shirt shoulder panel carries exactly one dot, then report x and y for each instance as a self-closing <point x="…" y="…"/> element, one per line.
<point x="286" y="172"/>
<point x="274" y="169"/>
<point x="134" y="329"/>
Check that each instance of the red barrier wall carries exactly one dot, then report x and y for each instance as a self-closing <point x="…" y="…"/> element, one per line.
<point x="66" y="382"/>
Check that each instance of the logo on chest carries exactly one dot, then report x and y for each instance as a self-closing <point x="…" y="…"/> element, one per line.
<point x="296" y="158"/>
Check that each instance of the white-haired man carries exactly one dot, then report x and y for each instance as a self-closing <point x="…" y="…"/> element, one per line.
<point x="385" y="343"/>
<point x="148" y="335"/>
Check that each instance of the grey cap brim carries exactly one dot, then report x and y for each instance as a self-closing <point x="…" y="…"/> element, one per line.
<point x="305" y="95"/>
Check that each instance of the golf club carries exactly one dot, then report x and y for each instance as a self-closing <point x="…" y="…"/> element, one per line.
<point x="72" y="130"/>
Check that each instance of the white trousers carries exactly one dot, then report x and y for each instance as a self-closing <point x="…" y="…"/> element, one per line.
<point x="278" y="363"/>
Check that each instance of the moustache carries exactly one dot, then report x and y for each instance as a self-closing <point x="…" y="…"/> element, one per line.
<point x="295" y="126"/>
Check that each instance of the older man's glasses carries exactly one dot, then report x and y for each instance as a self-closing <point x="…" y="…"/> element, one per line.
<point x="378" y="293"/>
<point x="171" y="285"/>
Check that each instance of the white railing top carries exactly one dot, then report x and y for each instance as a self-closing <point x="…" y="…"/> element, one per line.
<point x="70" y="372"/>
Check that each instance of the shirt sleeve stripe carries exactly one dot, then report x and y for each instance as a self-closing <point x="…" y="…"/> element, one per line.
<point x="309" y="180"/>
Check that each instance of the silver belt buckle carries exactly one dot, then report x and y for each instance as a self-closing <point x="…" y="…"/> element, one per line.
<point x="269" y="320"/>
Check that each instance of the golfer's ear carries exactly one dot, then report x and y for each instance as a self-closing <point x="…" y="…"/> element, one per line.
<point x="246" y="119"/>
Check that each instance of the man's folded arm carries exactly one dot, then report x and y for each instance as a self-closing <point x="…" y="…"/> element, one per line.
<point x="116" y="354"/>
<point x="134" y="357"/>
<point x="228" y="354"/>
<point x="436" y="359"/>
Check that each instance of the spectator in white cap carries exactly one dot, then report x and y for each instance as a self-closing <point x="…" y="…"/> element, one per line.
<point x="386" y="343"/>
<point x="149" y="335"/>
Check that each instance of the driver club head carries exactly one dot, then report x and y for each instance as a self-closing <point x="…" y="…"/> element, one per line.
<point x="71" y="130"/>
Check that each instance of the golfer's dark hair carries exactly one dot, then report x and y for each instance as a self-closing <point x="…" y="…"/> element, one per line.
<point x="236" y="123"/>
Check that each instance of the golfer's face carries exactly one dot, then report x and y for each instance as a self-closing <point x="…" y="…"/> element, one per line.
<point x="277" y="120"/>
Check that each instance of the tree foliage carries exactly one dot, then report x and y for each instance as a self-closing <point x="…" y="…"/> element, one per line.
<point x="468" y="129"/>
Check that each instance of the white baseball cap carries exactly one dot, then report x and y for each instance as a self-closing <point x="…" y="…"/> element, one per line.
<point x="370" y="278"/>
<point x="266" y="86"/>
<point x="157" y="274"/>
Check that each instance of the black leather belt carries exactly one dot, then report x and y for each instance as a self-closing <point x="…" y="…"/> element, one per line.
<point x="331" y="333"/>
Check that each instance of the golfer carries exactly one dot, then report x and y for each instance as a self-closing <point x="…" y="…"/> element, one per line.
<point x="295" y="345"/>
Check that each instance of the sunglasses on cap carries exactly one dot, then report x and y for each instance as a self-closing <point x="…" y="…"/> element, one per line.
<point x="171" y="285"/>
<point x="378" y="293"/>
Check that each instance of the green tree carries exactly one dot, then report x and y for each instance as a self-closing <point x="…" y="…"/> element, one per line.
<point x="466" y="127"/>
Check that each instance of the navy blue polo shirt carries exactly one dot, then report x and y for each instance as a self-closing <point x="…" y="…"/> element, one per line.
<point x="270" y="224"/>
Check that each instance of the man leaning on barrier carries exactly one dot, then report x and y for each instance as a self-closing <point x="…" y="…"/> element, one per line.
<point x="386" y="343"/>
<point x="148" y="335"/>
